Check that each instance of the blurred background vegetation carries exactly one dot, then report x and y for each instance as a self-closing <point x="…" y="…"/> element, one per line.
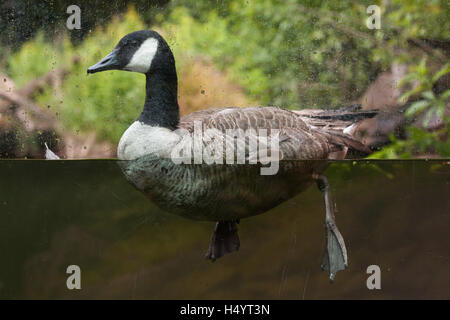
<point x="293" y="54"/>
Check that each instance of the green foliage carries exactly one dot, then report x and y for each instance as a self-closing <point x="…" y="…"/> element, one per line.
<point x="35" y="59"/>
<point x="421" y="111"/>
<point x="302" y="54"/>
<point x="419" y="18"/>
<point x="403" y="20"/>
<point x="283" y="52"/>
<point x="430" y="103"/>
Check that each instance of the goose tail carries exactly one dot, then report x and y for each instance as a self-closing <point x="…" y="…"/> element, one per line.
<point x="339" y="125"/>
<point x="341" y="140"/>
<point x="338" y="119"/>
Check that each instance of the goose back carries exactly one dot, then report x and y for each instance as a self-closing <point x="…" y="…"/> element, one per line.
<point x="300" y="137"/>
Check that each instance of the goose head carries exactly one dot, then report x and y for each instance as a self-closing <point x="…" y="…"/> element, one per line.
<point x="142" y="51"/>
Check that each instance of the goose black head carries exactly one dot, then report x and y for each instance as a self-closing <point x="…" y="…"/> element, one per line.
<point x="142" y="51"/>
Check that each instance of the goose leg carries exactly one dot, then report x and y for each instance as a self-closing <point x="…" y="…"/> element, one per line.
<point x="335" y="258"/>
<point x="224" y="240"/>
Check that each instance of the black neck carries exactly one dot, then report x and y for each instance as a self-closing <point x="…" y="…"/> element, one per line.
<point x="161" y="101"/>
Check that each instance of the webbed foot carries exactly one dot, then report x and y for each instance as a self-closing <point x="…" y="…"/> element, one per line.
<point x="335" y="258"/>
<point x="224" y="240"/>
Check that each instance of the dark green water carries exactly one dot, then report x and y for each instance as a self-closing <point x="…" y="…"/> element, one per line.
<point x="53" y="214"/>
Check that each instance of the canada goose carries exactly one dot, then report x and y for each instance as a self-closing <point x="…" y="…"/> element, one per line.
<point x="224" y="193"/>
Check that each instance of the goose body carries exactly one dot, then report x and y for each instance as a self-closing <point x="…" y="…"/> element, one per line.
<point x="219" y="191"/>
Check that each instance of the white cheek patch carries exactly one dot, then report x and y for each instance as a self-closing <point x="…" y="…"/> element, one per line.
<point x="143" y="57"/>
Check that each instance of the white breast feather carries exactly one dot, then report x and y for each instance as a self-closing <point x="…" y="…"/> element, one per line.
<point x="141" y="139"/>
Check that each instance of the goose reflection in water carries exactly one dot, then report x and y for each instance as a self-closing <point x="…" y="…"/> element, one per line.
<point x="225" y="193"/>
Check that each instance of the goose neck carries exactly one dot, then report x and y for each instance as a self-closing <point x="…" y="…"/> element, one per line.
<point x="161" y="101"/>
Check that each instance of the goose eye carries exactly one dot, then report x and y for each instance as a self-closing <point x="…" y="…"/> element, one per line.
<point x="127" y="43"/>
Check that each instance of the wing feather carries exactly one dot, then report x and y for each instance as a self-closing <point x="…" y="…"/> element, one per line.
<point x="302" y="135"/>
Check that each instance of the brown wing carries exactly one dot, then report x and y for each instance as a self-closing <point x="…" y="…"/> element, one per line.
<point x="297" y="140"/>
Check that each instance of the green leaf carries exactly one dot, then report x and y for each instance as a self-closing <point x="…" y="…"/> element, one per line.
<point x="445" y="95"/>
<point x="443" y="71"/>
<point x="428" y="95"/>
<point x="410" y="77"/>
<point x="417" y="107"/>
<point x="406" y="95"/>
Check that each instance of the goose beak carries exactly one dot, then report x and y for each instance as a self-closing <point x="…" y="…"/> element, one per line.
<point x="107" y="63"/>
